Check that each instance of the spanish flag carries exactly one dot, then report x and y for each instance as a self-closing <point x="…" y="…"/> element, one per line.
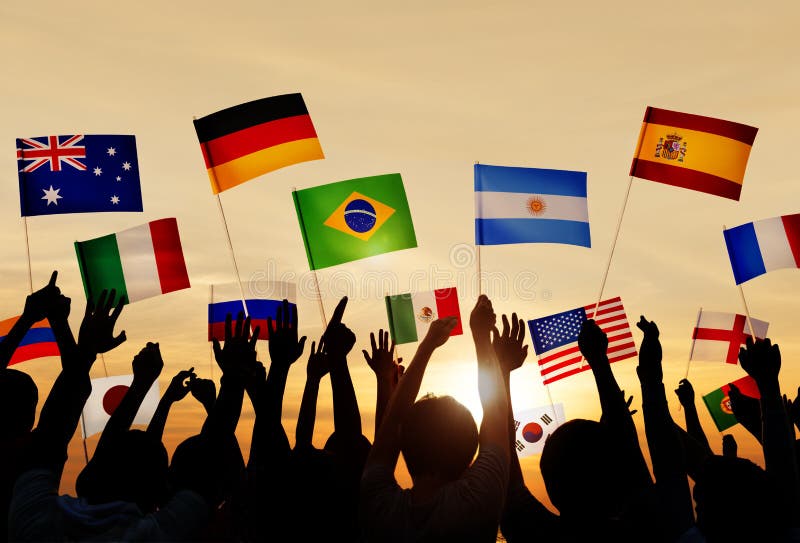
<point x="251" y="139"/>
<point x="699" y="153"/>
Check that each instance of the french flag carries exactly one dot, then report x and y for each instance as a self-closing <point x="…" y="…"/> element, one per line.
<point x="761" y="246"/>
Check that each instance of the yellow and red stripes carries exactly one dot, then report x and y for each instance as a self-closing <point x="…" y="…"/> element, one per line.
<point x="251" y="139"/>
<point x="711" y="157"/>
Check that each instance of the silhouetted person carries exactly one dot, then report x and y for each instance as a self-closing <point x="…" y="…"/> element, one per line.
<point x="452" y="498"/>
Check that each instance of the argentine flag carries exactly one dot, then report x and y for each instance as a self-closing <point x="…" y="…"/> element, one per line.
<point x="530" y="205"/>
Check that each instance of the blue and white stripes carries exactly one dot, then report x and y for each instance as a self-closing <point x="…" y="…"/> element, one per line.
<point x="530" y="205"/>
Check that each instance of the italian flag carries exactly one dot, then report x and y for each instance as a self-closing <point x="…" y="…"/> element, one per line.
<point x="140" y="262"/>
<point x="410" y="314"/>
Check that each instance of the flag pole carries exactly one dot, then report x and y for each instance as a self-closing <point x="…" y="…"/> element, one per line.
<point x="614" y="244"/>
<point x="103" y="360"/>
<point x="28" y="253"/>
<point x="478" y="254"/>
<point x="691" y="351"/>
<point x="211" y="343"/>
<point x="552" y="405"/>
<point x="310" y="260"/>
<point x="85" y="450"/>
<point x="744" y="303"/>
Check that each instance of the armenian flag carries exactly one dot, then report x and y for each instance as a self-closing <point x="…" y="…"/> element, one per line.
<point x="251" y="139"/>
<point x="354" y="219"/>
<point x="38" y="342"/>
<point x="694" y="152"/>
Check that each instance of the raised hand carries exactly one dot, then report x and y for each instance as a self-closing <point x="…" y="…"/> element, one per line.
<point x="39" y="304"/>
<point x="180" y="385"/>
<point x="284" y="347"/>
<point x="382" y="358"/>
<point x="649" y="368"/>
<point x="628" y="404"/>
<point x="508" y="346"/>
<point x="747" y="411"/>
<point x="147" y="365"/>
<point x="593" y="343"/>
<point x="793" y="408"/>
<point x="685" y="393"/>
<point x="761" y="360"/>
<point x="339" y="339"/>
<point x="239" y="351"/>
<point x="482" y="318"/>
<point x="439" y="331"/>
<point x="204" y="391"/>
<point x="730" y="448"/>
<point x="96" y="334"/>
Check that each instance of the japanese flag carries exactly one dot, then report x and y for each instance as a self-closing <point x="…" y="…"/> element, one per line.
<point x="534" y="425"/>
<point x="107" y="393"/>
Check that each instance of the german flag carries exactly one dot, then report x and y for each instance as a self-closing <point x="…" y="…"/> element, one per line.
<point x="251" y="139"/>
<point x="694" y="152"/>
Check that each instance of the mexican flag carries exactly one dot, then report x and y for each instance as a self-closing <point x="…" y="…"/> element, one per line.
<point x="719" y="403"/>
<point x="140" y="262"/>
<point x="410" y="314"/>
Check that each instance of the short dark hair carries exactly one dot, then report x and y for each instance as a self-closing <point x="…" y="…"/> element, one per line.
<point x="438" y="437"/>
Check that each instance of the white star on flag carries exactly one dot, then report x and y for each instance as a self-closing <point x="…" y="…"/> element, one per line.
<point x="126" y="166"/>
<point x="119" y="178"/>
<point x="51" y="195"/>
<point x="115" y="199"/>
<point x="112" y="151"/>
<point x="98" y="171"/>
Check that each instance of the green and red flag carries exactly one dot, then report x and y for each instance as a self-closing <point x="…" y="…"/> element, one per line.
<point x="411" y="314"/>
<point x="718" y="402"/>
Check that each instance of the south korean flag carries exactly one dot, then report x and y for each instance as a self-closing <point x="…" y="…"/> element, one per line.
<point x="534" y="425"/>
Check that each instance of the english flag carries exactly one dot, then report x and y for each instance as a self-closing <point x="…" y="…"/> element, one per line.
<point x="718" y="336"/>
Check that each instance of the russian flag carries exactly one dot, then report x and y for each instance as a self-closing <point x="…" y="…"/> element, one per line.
<point x="761" y="246"/>
<point x="38" y="342"/>
<point x="530" y="205"/>
<point x="263" y="299"/>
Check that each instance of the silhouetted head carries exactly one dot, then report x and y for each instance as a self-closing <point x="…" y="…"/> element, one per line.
<point x="18" y="399"/>
<point x="583" y="471"/>
<point x="438" y="437"/>
<point x="736" y="502"/>
<point x="213" y="470"/>
<point x="133" y="469"/>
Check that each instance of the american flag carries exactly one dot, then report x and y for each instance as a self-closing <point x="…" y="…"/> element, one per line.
<point x="555" y="338"/>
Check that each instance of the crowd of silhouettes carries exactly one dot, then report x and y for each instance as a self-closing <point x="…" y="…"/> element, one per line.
<point x="467" y="483"/>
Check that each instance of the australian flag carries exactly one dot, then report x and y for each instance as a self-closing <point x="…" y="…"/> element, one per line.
<point x="78" y="174"/>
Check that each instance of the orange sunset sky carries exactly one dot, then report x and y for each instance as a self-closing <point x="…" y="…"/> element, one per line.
<point x="425" y="89"/>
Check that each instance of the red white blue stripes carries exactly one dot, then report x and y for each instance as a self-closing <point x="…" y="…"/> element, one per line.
<point x="756" y="248"/>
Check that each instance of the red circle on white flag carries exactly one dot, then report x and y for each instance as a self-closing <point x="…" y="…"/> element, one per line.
<point x="113" y="397"/>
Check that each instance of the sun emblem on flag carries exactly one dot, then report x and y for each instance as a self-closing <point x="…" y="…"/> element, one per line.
<point x="536" y="206"/>
<point x="425" y="314"/>
<point x="671" y="147"/>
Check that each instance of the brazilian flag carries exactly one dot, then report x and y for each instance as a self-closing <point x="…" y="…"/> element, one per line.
<point x="354" y="219"/>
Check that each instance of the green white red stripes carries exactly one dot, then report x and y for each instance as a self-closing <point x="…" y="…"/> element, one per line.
<point x="140" y="262"/>
<point x="410" y="314"/>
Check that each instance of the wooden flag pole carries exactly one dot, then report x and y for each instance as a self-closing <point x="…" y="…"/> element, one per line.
<point x="103" y="360"/>
<point x="28" y="254"/>
<point x="319" y="301"/>
<point x="310" y="259"/>
<point x="744" y="303"/>
<point x="85" y="450"/>
<point x="552" y="405"/>
<point x="691" y="352"/>
<point x="614" y="244"/>
<point x="211" y="343"/>
<point x="478" y="253"/>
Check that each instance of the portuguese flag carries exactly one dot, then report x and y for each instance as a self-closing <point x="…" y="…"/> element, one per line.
<point x="411" y="314"/>
<point x="354" y="219"/>
<point x="251" y="139"/>
<point x="694" y="152"/>
<point x="140" y="262"/>
<point x="719" y="403"/>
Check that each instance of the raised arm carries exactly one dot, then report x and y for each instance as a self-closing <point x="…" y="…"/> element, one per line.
<point x="387" y="371"/>
<point x="386" y="448"/>
<point x="663" y="441"/>
<point x="762" y="361"/>
<point x="317" y="368"/>
<point x="37" y="307"/>
<point x="339" y="341"/>
<point x="685" y="393"/>
<point x="176" y="391"/>
<point x="491" y="387"/>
